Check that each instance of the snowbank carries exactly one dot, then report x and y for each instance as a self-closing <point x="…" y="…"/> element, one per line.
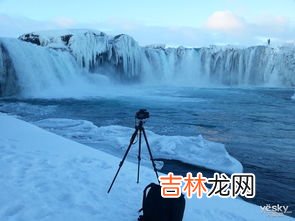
<point x="115" y="139"/>
<point x="47" y="177"/>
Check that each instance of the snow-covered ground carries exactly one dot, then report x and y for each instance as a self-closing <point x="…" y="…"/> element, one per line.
<point x="47" y="177"/>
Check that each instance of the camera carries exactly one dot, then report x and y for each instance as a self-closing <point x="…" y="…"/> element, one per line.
<point x="142" y="114"/>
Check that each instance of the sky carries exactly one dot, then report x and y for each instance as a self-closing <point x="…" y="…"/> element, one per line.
<point x="190" y="23"/>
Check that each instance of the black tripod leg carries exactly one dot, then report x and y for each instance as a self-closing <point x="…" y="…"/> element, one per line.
<point x="139" y="156"/>
<point x="150" y="153"/>
<point x="125" y="155"/>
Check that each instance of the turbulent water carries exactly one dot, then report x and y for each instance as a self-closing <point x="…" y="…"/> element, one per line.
<point x="256" y="125"/>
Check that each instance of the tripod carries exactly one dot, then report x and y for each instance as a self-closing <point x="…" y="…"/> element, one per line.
<point x="139" y="130"/>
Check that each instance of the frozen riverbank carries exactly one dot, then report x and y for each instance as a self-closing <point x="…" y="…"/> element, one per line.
<point x="47" y="177"/>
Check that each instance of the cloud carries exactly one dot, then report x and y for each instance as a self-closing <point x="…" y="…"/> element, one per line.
<point x="225" y="21"/>
<point x="229" y="28"/>
<point x="64" y="22"/>
<point x="15" y="26"/>
<point x="221" y="28"/>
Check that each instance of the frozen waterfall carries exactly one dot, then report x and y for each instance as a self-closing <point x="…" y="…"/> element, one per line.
<point x="62" y="61"/>
<point x="30" y="70"/>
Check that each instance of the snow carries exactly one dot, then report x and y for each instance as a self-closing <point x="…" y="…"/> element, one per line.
<point x="49" y="37"/>
<point x="47" y="177"/>
<point x="115" y="139"/>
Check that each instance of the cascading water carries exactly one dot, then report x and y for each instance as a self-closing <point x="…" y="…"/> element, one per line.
<point x="41" y="71"/>
<point x="258" y="65"/>
<point x="8" y="79"/>
<point x="63" y="61"/>
<point x="250" y="66"/>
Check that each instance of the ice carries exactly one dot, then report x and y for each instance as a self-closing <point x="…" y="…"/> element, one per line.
<point x="46" y="177"/>
<point x="94" y="48"/>
<point x="115" y="139"/>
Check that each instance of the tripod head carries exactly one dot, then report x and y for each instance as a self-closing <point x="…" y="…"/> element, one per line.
<point x="142" y="114"/>
<point x="140" y="117"/>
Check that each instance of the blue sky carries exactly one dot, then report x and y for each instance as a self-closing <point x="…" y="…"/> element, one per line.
<point x="187" y="22"/>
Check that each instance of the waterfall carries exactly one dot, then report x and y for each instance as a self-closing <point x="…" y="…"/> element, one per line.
<point x="8" y="79"/>
<point x="98" y="52"/>
<point x="40" y="71"/>
<point x="66" y="62"/>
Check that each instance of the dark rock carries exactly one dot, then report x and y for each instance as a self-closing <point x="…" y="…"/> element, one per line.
<point x="32" y="38"/>
<point x="66" y="39"/>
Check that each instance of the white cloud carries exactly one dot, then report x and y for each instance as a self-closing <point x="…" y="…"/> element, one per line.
<point x="64" y="22"/>
<point x="15" y="26"/>
<point x="225" y="21"/>
<point x="220" y="28"/>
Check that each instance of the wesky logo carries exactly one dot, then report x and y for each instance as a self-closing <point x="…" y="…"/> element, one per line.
<point x="275" y="210"/>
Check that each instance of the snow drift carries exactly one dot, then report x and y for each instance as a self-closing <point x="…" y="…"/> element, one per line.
<point x="37" y="61"/>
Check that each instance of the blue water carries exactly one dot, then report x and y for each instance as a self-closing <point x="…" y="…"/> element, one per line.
<point x="256" y="125"/>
